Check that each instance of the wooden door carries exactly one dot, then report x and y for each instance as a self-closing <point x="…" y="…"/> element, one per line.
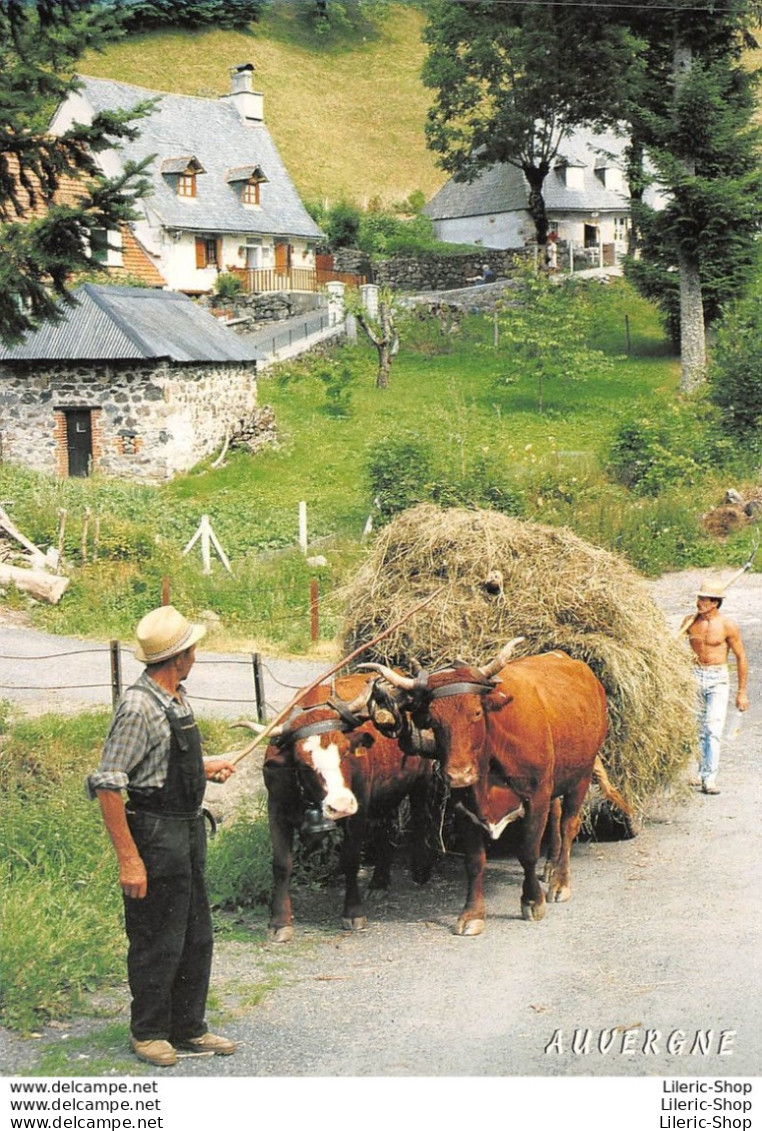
<point x="79" y="441"/>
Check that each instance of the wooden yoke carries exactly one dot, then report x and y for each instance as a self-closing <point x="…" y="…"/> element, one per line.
<point x="265" y="733"/>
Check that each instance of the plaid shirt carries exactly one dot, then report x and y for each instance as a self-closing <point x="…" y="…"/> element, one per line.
<point x="136" y="752"/>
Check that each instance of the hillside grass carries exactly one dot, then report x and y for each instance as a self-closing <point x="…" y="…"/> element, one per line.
<point x="345" y="112"/>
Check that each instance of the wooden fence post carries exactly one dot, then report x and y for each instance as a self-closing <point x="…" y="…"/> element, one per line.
<point x="259" y="686"/>
<point x="116" y="673"/>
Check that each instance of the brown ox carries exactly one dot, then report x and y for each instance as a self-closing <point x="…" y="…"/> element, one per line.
<point x="326" y="756"/>
<point x="523" y="744"/>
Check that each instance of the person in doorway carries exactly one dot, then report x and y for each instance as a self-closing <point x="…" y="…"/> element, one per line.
<point x="712" y="637"/>
<point x="153" y="752"/>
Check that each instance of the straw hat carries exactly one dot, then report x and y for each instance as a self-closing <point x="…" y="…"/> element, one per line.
<point x="164" y="633"/>
<point x="706" y="589"/>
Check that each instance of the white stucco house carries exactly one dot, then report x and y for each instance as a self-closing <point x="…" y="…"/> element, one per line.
<point x="586" y="199"/>
<point x="221" y="198"/>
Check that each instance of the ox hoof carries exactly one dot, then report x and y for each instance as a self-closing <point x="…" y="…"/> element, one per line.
<point x="280" y="934"/>
<point x="360" y="923"/>
<point x="533" y="911"/>
<point x="468" y="927"/>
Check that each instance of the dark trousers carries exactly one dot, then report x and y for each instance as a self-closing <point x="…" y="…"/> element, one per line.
<point x="170" y="951"/>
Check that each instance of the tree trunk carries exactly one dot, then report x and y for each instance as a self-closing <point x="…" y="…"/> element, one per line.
<point x="43" y="586"/>
<point x="386" y="341"/>
<point x="692" y="328"/>
<point x="535" y="176"/>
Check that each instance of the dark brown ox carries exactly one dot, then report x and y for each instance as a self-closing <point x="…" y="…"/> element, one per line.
<point x="326" y="755"/>
<point x="516" y="740"/>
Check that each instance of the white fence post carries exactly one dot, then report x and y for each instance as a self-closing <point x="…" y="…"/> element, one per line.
<point x="336" y="305"/>
<point x="369" y="298"/>
<point x="303" y="527"/>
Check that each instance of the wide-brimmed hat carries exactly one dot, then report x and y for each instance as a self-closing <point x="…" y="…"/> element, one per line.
<point x="164" y="633"/>
<point x="709" y="589"/>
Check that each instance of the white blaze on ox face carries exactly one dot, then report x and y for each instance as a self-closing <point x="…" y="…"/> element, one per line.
<point x="338" y="801"/>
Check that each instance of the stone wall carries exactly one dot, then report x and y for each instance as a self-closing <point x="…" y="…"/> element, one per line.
<point x="431" y="271"/>
<point x="253" y="312"/>
<point x="149" y="422"/>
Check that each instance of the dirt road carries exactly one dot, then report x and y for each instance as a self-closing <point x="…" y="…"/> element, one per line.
<point x="651" y="969"/>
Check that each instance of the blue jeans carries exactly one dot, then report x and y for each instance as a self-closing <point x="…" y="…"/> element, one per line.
<point x="713" y="693"/>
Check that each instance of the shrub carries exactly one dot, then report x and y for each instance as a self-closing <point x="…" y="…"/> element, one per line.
<point x="342" y="224"/>
<point x="228" y="285"/>
<point x="735" y="373"/>
<point x="399" y="470"/>
<point x="651" y="453"/>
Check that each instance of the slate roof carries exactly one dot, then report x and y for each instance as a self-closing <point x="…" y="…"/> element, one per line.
<point x="132" y="324"/>
<point x="211" y="131"/>
<point x="503" y="188"/>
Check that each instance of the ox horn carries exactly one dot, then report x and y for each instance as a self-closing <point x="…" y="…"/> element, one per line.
<point x="256" y="727"/>
<point x="501" y="659"/>
<point x="404" y="682"/>
<point x="359" y="705"/>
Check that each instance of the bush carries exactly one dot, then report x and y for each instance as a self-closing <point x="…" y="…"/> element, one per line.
<point x="342" y="224"/>
<point x="228" y="285"/>
<point x="651" y="453"/>
<point x="399" y="471"/>
<point x="735" y="374"/>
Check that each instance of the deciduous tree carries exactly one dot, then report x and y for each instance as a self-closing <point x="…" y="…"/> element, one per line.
<point x="512" y="80"/>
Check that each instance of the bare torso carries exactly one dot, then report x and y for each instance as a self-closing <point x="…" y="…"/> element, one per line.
<point x="708" y="636"/>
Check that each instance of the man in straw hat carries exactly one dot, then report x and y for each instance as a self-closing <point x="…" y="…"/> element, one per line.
<point x="713" y="636"/>
<point x="153" y="751"/>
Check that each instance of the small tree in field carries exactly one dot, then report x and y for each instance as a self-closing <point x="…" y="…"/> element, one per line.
<point x="381" y="331"/>
<point x="543" y="331"/>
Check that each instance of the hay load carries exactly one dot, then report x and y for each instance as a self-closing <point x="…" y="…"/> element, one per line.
<point x="502" y="577"/>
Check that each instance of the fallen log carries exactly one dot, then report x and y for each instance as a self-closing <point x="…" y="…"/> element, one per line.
<point x="42" y="586"/>
<point x="6" y="524"/>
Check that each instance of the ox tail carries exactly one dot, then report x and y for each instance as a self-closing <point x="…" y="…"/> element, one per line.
<point x="612" y="794"/>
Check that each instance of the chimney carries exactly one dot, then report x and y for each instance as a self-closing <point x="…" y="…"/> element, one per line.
<point x="248" y="102"/>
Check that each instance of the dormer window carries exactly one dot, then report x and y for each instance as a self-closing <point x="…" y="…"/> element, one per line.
<point x="250" y="192"/>
<point x="246" y="179"/>
<point x="572" y="175"/>
<point x="186" y="184"/>
<point x="183" y="171"/>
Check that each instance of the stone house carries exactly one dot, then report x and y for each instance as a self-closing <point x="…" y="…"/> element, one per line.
<point x="586" y="198"/>
<point x="132" y="382"/>
<point x="221" y="198"/>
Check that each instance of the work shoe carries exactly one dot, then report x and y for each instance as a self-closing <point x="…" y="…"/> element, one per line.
<point x="160" y="1053"/>
<point x="709" y="788"/>
<point x="209" y="1042"/>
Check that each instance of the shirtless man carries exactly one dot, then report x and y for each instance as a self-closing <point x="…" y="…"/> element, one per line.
<point x="712" y="637"/>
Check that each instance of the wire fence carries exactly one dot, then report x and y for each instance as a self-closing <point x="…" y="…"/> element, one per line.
<point x="214" y="682"/>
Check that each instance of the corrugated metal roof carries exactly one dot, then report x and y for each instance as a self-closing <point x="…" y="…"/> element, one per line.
<point x="132" y="323"/>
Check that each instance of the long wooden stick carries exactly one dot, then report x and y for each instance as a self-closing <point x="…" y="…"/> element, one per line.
<point x="235" y="758"/>
<point x="689" y="620"/>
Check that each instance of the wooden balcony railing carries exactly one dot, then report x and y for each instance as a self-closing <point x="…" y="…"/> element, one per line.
<point x="264" y="280"/>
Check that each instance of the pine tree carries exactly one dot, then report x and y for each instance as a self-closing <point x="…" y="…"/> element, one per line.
<point x="42" y="242"/>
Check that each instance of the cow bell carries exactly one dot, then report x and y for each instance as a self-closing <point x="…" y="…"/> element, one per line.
<point x="315" y="824"/>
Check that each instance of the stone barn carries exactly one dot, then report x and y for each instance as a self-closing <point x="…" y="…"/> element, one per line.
<point x="132" y="383"/>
